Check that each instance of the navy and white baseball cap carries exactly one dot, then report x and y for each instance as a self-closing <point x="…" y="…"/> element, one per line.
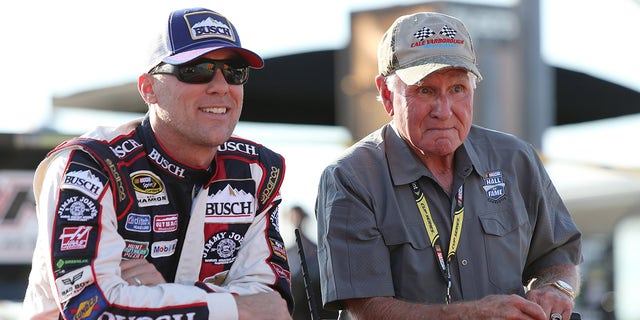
<point x="193" y="32"/>
<point x="418" y="44"/>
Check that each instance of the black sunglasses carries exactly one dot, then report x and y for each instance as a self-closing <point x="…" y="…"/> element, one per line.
<point x="203" y="71"/>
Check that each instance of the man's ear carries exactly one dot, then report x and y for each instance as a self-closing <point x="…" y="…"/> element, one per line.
<point x="386" y="95"/>
<point x="145" y="88"/>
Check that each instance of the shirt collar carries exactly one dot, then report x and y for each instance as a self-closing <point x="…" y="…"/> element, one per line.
<point x="405" y="167"/>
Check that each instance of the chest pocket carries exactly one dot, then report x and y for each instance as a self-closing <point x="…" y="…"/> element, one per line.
<point x="396" y="234"/>
<point x="506" y="244"/>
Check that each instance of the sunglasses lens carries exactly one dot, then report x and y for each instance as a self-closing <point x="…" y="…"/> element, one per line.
<point x="235" y="75"/>
<point x="198" y="73"/>
<point x="204" y="72"/>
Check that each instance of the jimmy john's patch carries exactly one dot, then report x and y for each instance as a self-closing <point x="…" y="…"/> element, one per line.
<point x="222" y="247"/>
<point x="77" y="208"/>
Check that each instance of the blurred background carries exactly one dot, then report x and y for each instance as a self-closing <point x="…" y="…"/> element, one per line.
<point x="564" y="75"/>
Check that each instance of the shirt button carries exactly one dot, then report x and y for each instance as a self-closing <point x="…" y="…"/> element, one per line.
<point x="464" y="262"/>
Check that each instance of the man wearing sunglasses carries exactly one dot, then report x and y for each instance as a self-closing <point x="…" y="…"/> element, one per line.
<point x="168" y="216"/>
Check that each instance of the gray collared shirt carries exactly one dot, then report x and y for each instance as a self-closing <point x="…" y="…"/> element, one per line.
<point x="372" y="240"/>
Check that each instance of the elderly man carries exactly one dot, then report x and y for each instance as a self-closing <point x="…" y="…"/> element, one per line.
<point x="432" y="217"/>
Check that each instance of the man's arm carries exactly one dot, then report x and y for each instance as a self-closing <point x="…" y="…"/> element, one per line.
<point x="268" y="305"/>
<point x="490" y="307"/>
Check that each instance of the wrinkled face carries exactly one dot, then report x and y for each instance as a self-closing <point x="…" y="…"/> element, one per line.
<point x="435" y="115"/>
<point x="194" y="115"/>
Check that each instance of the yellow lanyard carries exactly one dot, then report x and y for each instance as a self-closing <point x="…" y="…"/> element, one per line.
<point x="434" y="236"/>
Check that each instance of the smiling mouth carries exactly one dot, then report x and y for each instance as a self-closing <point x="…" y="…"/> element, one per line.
<point x="215" y="110"/>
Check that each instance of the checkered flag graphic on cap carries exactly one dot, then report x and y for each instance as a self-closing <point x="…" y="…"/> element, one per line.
<point x="424" y="33"/>
<point x="448" y="32"/>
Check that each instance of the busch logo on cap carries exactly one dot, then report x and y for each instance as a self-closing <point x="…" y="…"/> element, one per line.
<point x="209" y="25"/>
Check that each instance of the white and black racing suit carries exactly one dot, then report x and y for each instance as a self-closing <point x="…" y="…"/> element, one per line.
<point x="115" y="194"/>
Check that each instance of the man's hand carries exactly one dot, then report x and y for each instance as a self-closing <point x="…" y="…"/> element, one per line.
<point x="508" y="307"/>
<point x="552" y="301"/>
<point x="140" y="272"/>
<point x="266" y="306"/>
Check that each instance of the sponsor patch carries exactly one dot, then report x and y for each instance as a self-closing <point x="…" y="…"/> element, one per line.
<point x="166" y="163"/>
<point x="135" y="249"/>
<point x="65" y="264"/>
<point x="74" y="238"/>
<point x="275" y="220"/>
<point x="89" y="304"/>
<point x="72" y="283"/>
<point x="237" y="146"/>
<point x="222" y="247"/>
<point x="138" y="222"/>
<point x="230" y="201"/>
<point x="278" y="248"/>
<point x="192" y="312"/>
<point x="165" y="223"/>
<point x="494" y="185"/>
<point x="163" y="248"/>
<point x="149" y="189"/>
<point x="123" y="148"/>
<point x="77" y="208"/>
<point x="209" y="25"/>
<point x="274" y="175"/>
<point x="122" y="194"/>
<point x="85" y="179"/>
<point x="280" y="271"/>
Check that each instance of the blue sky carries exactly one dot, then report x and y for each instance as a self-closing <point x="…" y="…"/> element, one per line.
<point x="66" y="46"/>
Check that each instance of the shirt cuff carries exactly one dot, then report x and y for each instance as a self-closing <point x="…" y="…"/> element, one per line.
<point x="222" y="306"/>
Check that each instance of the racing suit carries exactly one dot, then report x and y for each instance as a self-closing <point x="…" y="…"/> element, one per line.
<point x="115" y="194"/>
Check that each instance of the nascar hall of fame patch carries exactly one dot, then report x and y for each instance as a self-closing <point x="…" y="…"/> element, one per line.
<point x="149" y="189"/>
<point x="78" y="209"/>
<point x="222" y="247"/>
<point x="494" y="185"/>
<point x="231" y="201"/>
<point x="85" y="179"/>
